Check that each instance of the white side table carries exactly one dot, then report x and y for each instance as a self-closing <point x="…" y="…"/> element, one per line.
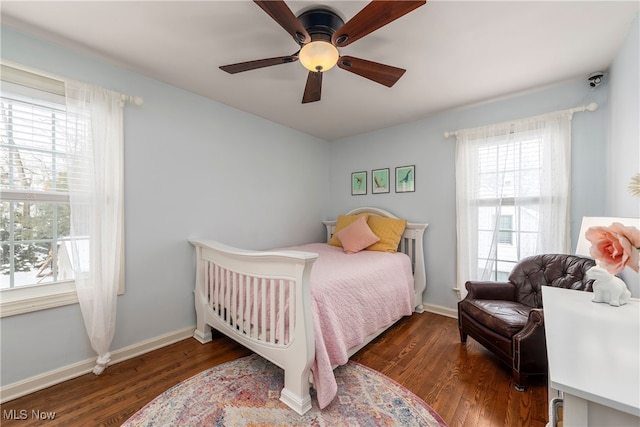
<point x="594" y="358"/>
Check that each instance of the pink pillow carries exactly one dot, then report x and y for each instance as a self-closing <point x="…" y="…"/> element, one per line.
<point x="356" y="236"/>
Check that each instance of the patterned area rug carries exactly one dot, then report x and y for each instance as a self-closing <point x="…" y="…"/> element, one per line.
<point x="246" y="391"/>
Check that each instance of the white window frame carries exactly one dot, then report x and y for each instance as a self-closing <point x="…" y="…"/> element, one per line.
<point x="34" y="298"/>
<point x="25" y="299"/>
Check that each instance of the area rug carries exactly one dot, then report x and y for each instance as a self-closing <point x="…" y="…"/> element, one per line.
<point x="246" y="391"/>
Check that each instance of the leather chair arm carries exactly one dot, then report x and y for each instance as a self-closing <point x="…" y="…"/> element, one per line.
<point x="535" y="321"/>
<point x="529" y="345"/>
<point x="505" y="291"/>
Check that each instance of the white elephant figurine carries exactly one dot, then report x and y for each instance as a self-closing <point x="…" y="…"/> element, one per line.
<point x="608" y="288"/>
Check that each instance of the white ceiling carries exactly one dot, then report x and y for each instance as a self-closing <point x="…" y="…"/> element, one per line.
<point x="456" y="53"/>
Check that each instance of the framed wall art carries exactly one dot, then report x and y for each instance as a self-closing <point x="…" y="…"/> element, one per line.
<point x="405" y="179"/>
<point x="380" y="181"/>
<point x="359" y="183"/>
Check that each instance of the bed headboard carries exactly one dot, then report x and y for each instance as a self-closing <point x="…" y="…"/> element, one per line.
<point x="410" y="244"/>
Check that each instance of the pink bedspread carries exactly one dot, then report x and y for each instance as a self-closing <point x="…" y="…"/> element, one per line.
<point x="352" y="296"/>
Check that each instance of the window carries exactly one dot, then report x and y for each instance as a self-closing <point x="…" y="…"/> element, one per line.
<point x="512" y="190"/>
<point x="509" y="176"/>
<point x="34" y="215"/>
<point x="35" y="268"/>
<point x="44" y="189"/>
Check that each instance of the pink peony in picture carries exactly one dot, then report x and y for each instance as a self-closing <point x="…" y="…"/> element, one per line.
<point x="615" y="247"/>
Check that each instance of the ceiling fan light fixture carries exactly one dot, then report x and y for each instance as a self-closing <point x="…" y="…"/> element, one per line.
<point x="318" y="56"/>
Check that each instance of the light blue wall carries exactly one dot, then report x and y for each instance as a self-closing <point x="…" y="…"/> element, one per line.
<point x="624" y="137"/>
<point x="193" y="168"/>
<point x="423" y="144"/>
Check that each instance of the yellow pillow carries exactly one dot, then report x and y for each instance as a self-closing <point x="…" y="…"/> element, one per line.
<point x="343" y="221"/>
<point x="389" y="230"/>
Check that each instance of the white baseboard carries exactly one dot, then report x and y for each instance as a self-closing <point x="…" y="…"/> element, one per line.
<point x="56" y="376"/>
<point x="443" y="311"/>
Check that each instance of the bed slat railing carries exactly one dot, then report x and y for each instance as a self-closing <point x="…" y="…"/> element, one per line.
<point x="264" y="312"/>
<point x="260" y="305"/>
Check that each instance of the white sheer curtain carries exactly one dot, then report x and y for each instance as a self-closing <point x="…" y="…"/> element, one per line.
<point x="95" y="135"/>
<point x="512" y="194"/>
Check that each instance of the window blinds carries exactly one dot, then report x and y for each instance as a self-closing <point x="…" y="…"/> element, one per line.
<point x="33" y="146"/>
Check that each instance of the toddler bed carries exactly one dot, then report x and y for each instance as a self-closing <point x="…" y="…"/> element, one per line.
<point x="308" y="308"/>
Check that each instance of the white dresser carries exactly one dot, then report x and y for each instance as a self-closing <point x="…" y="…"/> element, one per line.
<point x="594" y="358"/>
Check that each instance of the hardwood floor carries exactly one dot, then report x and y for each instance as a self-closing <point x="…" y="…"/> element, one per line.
<point x="465" y="384"/>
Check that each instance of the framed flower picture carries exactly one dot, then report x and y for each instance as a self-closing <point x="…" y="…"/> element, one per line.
<point x="380" y="181"/>
<point x="359" y="183"/>
<point x="405" y="179"/>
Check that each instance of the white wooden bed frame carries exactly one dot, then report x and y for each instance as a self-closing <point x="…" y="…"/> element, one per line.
<point x="223" y="270"/>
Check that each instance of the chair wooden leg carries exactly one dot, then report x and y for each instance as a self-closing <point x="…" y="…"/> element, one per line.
<point x="463" y="336"/>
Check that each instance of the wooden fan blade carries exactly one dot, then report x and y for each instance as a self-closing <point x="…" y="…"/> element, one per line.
<point x="373" y="16"/>
<point x="280" y="12"/>
<point x="259" y="63"/>
<point x="380" y="73"/>
<point x="313" y="89"/>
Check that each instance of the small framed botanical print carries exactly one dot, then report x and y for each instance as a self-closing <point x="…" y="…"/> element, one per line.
<point x="380" y="181"/>
<point x="359" y="183"/>
<point x="405" y="179"/>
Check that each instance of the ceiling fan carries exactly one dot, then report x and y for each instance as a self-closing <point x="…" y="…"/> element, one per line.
<point x="320" y="31"/>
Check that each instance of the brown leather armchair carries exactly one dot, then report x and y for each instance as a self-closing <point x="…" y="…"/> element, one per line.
<point x="507" y="317"/>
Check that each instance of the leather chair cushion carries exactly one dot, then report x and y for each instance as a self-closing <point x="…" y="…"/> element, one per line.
<point x="503" y="317"/>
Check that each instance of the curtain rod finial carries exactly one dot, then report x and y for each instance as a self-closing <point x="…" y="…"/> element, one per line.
<point x="137" y="100"/>
<point x="592" y="107"/>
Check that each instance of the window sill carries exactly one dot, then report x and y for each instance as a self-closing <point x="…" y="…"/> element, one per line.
<point x="35" y="298"/>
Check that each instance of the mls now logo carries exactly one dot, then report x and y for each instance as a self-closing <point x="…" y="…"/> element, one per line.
<point x="23" y="414"/>
<point x="15" y="414"/>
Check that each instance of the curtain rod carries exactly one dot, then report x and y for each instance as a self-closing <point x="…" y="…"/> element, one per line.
<point x="589" y="107"/>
